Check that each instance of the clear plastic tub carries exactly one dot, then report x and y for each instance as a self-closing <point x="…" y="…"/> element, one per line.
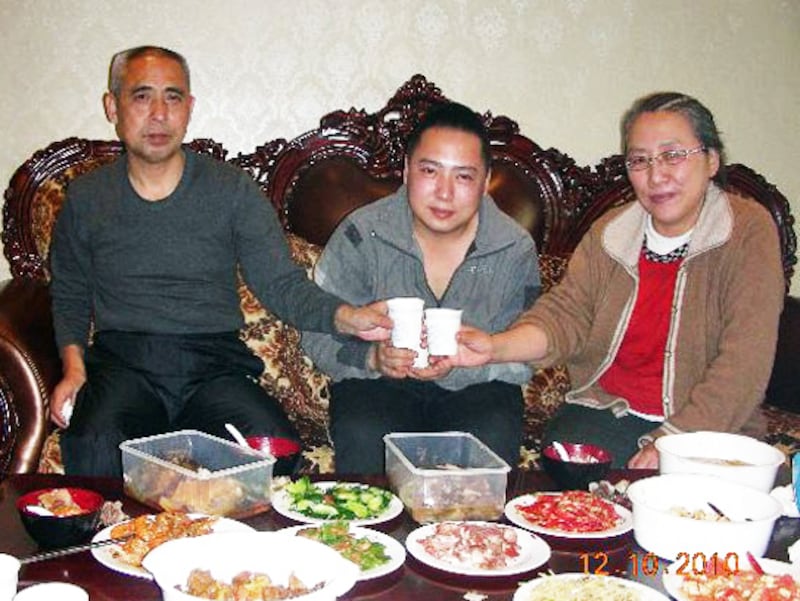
<point x="446" y="476"/>
<point x="194" y="472"/>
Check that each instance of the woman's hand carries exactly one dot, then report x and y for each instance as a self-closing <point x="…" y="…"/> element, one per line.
<point x="645" y="459"/>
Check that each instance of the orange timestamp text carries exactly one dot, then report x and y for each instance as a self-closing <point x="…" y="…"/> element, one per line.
<point x="652" y="566"/>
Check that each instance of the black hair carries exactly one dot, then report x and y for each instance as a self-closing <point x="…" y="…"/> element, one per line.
<point x="454" y="116"/>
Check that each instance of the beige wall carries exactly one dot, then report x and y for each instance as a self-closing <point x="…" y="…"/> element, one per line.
<point x="564" y="69"/>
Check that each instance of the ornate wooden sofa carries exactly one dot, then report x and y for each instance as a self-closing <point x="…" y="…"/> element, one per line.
<point x="353" y="158"/>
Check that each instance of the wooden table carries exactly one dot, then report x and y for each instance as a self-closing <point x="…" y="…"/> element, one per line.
<point x="414" y="581"/>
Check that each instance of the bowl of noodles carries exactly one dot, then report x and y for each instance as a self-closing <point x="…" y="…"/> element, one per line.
<point x="732" y="457"/>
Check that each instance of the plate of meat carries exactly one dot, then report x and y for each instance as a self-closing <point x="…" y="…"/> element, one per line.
<point x="569" y="514"/>
<point x="477" y="548"/>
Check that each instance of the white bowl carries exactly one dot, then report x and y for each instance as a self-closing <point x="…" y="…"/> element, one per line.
<point x="733" y="457"/>
<point x="226" y="554"/>
<point x="659" y="530"/>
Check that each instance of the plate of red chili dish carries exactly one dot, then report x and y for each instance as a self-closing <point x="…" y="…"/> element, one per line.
<point x="569" y="514"/>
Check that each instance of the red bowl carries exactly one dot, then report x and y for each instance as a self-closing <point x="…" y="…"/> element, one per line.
<point x="592" y="464"/>
<point x="53" y="531"/>
<point x="285" y="450"/>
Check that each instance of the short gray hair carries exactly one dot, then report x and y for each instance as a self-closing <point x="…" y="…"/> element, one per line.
<point x="699" y="117"/>
<point x="120" y="61"/>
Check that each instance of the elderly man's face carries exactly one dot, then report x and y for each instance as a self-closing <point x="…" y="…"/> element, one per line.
<point x="153" y="109"/>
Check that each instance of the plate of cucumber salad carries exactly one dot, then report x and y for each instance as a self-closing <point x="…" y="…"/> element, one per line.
<point x="314" y="502"/>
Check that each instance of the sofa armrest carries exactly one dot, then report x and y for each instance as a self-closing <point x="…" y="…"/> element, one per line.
<point x="29" y="369"/>
<point x="783" y="390"/>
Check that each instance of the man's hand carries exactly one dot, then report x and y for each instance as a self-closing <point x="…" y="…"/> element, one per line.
<point x="438" y="368"/>
<point x="391" y="361"/>
<point x="62" y="400"/>
<point x="645" y="459"/>
<point x="369" y="322"/>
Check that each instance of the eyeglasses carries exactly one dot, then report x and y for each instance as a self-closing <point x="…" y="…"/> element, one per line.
<point x="641" y="162"/>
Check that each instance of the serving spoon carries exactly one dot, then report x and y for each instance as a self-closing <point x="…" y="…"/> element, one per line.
<point x="237" y="435"/>
<point x="563" y="454"/>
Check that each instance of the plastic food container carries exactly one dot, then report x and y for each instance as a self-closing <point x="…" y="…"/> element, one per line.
<point x="195" y="472"/>
<point x="734" y="457"/>
<point x="446" y="476"/>
<point x="673" y="517"/>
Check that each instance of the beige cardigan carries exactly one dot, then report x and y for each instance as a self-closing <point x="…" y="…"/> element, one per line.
<point x="721" y="344"/>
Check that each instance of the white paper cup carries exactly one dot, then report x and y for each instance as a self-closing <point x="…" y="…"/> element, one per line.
<point x="442" y="326"/>
<point x="9" y="573"/>
<point x="406" y="313"/>
<point x="53" y="591"/>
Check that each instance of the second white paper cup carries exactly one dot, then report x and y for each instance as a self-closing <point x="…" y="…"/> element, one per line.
<point x="442" y="326"/>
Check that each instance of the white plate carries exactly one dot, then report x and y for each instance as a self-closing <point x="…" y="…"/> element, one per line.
<point x="281" y="502"/>
<point x="518" y="518"/>
<point x="395" y="551"/>
<point x="673" y="581"/>
<point x="534" y="552"/>
<point x="105" y="557"/>
<point x="645" y="592"/>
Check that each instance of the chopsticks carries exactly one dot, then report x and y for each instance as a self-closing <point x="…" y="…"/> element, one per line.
<point x="71" y="550"/>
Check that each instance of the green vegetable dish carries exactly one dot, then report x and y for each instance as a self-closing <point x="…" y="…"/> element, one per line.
<point x="363" y="552"/>
<point x="342" y="501"/>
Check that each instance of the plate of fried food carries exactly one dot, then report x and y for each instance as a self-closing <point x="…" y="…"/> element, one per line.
<point x="569" y="514"/>
<point x="146" y="532"/>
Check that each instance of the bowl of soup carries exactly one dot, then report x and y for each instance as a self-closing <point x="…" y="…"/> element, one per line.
<point x="732" y="457"/>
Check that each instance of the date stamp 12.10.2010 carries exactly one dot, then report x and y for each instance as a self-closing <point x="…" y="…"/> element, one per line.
<point x="649" y="565"/>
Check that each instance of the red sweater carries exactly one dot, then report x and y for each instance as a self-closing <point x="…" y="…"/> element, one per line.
<point x="638" y="368"/>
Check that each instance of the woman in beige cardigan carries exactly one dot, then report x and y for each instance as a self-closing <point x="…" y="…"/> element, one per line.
<point x="667" y="316"/>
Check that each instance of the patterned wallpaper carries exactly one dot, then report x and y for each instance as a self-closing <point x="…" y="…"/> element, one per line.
<point x="564" y="69"/>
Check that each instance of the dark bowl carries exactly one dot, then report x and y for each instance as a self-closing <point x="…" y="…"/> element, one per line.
<point x="591" y="464"/>
<point x="52" y="532"/>
<point x="285" y="450"/>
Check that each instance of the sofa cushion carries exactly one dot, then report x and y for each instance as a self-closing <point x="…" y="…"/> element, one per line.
<point x="288" y="375"/>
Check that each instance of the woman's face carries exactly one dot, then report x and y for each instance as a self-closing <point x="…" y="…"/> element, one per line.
<point x="672" y="194"/>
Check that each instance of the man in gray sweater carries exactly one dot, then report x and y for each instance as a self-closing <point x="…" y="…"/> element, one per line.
<point x="440" y="238"/>
<point x="150" y="247"/>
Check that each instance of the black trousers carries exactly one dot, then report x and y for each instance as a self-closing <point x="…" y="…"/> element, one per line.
<point x="362" y="411"/>
<point x="144" y="384"/>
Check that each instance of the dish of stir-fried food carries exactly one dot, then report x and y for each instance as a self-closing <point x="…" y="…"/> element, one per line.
<point x="245" y="586"/>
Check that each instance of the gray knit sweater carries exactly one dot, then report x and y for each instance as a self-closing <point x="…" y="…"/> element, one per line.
<point x="170" y="267"/>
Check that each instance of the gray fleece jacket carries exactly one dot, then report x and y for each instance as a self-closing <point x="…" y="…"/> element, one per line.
<point x="373" y="255"/>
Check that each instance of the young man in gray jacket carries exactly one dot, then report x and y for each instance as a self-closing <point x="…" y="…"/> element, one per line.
<point x="441" y="238"/>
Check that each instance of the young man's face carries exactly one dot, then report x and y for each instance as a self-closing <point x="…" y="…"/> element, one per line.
<point x="446" y="178"/>
<point x="153" y="109"/>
